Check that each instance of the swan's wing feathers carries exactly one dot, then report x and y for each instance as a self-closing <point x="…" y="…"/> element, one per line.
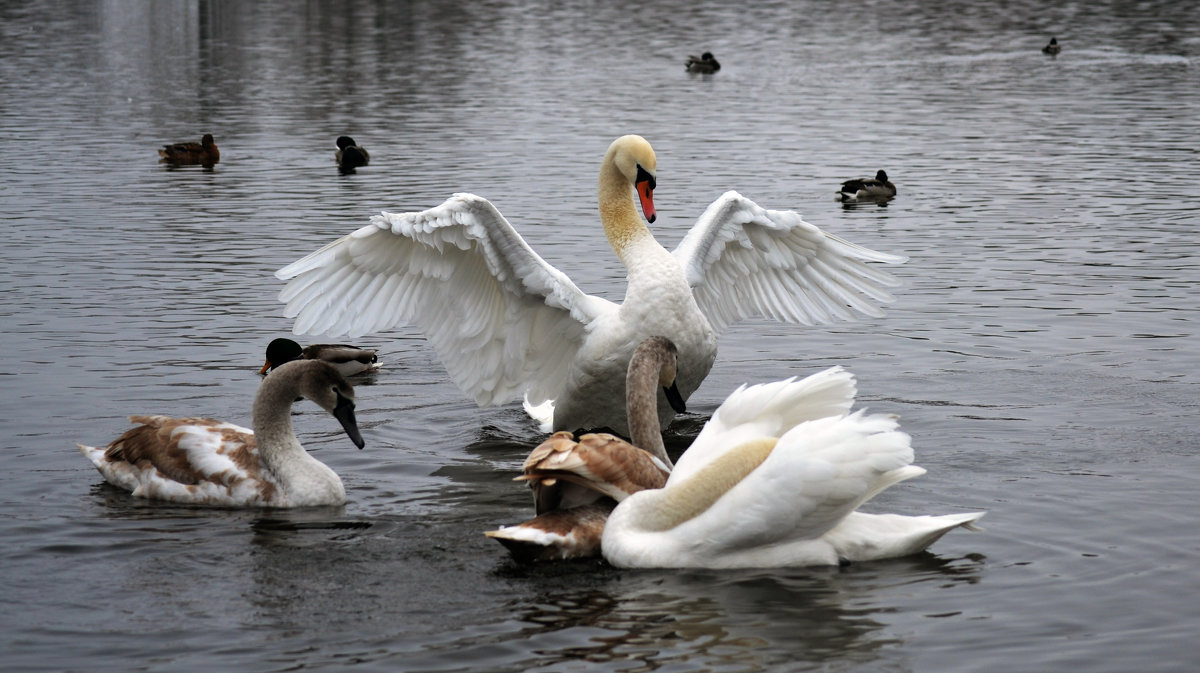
<point x="485" y="300"/>
<point x="743" y="260"/>
<point x="818" y="473"/>
<point x="768" y="410"/>
<point x="827" y="393"/>
<point x="188" y="450"/>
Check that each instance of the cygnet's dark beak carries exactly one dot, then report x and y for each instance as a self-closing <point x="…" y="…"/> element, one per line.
<point x="344" y="412"/>
<point x="674" y="398"/>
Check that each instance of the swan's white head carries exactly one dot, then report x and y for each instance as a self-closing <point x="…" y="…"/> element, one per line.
<point x="635" y="159"/>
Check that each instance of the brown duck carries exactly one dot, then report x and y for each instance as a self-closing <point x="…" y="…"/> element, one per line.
<point x="204" y="152"/>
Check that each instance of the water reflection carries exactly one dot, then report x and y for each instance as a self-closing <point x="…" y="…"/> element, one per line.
<point x="864" y="201"/>
<point x="708" y="620"/>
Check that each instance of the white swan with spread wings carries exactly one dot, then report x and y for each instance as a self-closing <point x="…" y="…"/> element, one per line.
<point x="507" y="323"/>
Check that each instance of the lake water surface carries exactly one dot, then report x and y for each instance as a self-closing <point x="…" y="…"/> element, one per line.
<point x="1042" y="352"/>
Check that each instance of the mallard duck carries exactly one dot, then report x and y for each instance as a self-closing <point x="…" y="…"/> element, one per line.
<point x="204" y="152"/>
<point x="704" y="64"/>
<point x="1053" y="47"/>
<point x="349" y="155"/>
<point x="878" y="188"/>
<point x="506" y="323"/>
<point x="201" y="461"/>
<point x="349" y="360"/>
<point x="775" y="479"/>
<point x="575" y="483"/>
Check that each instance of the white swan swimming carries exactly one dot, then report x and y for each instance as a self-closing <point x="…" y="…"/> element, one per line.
<point x="774" y="479"/>
<point x="506" y="323"/>
<point x="201" y="461"/>
<point x="576" y="484"/>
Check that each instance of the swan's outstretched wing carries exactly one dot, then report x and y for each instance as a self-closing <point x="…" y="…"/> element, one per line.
<point x="503" y="321"/>
<point x="743" y="260"/>
<point x="767" y="410"/>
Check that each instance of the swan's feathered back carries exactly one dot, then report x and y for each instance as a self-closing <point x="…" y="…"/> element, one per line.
<point x="819" y="472"/>
<point x="768" y="410"/>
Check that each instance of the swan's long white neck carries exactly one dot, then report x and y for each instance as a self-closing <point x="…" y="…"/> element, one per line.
<point x="618" y="211"/>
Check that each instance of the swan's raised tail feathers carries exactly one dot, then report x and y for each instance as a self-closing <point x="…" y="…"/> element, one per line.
<point x="870" y="537"/>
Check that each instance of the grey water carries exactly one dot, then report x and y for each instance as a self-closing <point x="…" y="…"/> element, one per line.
<point x="1042" y="350"/>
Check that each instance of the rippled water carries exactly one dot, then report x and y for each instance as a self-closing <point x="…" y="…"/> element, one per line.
<point x="1042" y="351"/>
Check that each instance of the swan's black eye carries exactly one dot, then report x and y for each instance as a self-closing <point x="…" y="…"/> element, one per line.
<point x="644" y="176"/>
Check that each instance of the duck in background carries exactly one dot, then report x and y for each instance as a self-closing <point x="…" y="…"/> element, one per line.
<point x="1052" y="48"/>
<point x="704" y="64"/>
<point x="204" y="152"/>
<point x="349" y="155"/>
<point x="201" y="461"/>
<point x="349" y="360"/>
<point x="878" y="188"/>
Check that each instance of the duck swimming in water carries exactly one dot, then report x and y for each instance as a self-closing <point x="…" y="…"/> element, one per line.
<point x="866" y="188"/>
<point x="349" y="155"/>
<point x="349" y="360"/>
<point x="204" y="152"/>
<point x="706" y="63"/>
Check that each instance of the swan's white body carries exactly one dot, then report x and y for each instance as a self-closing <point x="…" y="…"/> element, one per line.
<point x="507" y="323"/>
<point x="773" y="480"/>
<point x="201" y="461"/>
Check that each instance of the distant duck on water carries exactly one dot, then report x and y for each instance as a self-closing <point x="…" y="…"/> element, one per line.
<point x="1052" y="48"/>
<point x="347" y="359"/>
<point x="201" y="461"/>
<point x="349" y="155"/>
<point x="704" y="64"/>
<point x="878" y="188"/>
<point x="204" y="152"/>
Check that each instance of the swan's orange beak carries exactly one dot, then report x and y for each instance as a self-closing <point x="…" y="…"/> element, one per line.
<point x="265" y="368"/>
<point x="645" y="191"/>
